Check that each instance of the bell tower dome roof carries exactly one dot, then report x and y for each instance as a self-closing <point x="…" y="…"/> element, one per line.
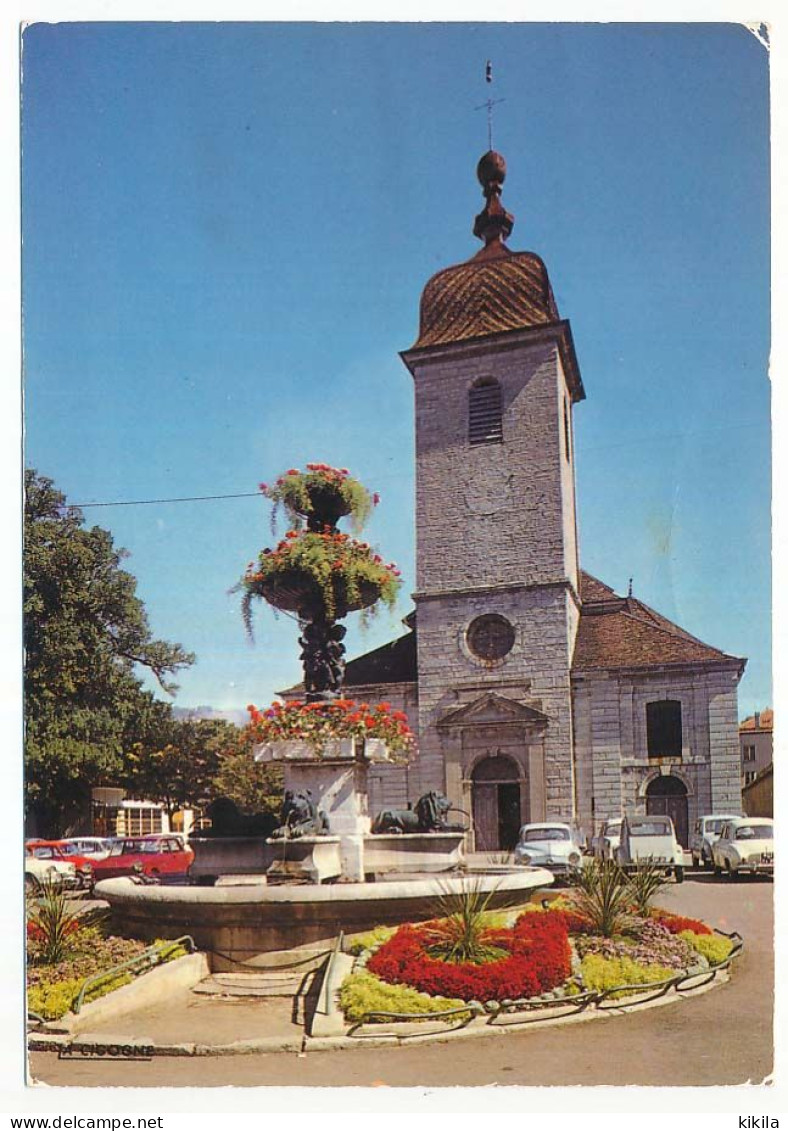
<point x="495" y="291"/>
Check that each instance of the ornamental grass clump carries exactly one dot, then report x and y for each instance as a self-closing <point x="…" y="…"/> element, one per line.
<point x="644" y="885"/>
<point x="460" y="932"/>
<point x="602" y="897"/>
<point x="52" y="988"/>
<point x="51" y="924"/>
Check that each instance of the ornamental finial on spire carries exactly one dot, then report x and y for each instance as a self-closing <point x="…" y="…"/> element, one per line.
<point x="494" y="224"/>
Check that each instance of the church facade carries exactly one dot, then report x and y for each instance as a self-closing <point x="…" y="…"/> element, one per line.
<point x="535" y="690"/>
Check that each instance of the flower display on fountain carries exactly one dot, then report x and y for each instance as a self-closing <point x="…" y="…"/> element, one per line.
<point x="327" y="570"/>
<point x="318" y="572"/>
<point x="321" y="488"/>
<point x="320" y="723"/>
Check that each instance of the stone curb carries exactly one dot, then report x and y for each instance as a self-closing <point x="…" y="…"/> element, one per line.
<point x="40" y="1042"/>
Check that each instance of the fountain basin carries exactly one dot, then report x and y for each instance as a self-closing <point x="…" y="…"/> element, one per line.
<point x="390" y="853"/>
<point x="238" y="923"/>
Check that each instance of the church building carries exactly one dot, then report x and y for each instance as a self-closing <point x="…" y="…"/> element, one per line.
<point x="535" y="690"/>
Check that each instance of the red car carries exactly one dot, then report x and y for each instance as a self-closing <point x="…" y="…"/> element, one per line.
<point x="162" y="857"/>
<point x="55" y="850"/>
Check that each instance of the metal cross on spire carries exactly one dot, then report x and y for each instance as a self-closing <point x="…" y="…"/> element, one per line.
<point x="489" y="104"/>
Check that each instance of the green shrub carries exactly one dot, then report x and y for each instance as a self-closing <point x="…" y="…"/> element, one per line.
<point x="364" y="993"/>
<point x="605" y="973"/>
<point x="714" y="948"/>
<point x="370" y="940"/>
<point x="51" y="1000"/>
<point x="53" y="997"/>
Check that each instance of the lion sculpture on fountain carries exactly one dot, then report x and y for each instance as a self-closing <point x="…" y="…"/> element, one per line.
<point x="427" y="816"/>
<point x="299" y="816"/>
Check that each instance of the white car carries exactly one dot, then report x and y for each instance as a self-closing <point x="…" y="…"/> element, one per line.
<point x="56" y="872"/>
<point x="745" y="844"/>
<point x="605" y="845"/>
<point x="650" y="839"/>
<point x="549" y="845"/>
<point x="94" y="847"/>
<point x="704" y="837"/>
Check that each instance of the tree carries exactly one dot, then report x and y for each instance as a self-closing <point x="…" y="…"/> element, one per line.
<point x="177" y="761"/>
<point x="254" y="786"/>
<point x="86" y="633"/>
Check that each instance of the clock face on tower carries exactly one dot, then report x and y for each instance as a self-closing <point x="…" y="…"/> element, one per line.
<point x="491" y="494"/>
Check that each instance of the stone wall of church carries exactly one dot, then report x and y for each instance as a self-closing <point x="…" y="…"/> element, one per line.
<point x="613" y="769"/>
<point x="492" y="513"/>
<point x="534" y="672"/>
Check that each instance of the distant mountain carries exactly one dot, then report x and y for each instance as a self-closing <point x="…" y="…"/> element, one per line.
<point x="239" y="717"/>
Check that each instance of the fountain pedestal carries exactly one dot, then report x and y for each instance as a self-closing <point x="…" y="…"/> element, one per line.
<point x="336" y="780"/>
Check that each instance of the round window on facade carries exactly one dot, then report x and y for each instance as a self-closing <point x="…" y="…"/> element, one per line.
<point x="490" y="637"/>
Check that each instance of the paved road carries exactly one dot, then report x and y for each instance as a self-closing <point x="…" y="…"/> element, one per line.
<point x="674" y="1045"/>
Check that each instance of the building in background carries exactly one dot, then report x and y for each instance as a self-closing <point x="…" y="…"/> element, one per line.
<point x="114" y="814"/>
<point x="757" y="743"/>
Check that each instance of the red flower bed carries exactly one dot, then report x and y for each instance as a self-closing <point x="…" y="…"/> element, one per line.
<point x="677" y="923"/>
<point x="538" y="959"/>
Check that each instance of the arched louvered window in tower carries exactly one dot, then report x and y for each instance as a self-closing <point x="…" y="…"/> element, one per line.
<point x="485" y="413"/>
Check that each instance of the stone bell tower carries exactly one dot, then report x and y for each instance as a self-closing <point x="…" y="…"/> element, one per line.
<point x="497" y="602"/>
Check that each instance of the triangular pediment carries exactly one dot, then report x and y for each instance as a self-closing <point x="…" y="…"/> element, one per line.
<point x="492" y="709"/>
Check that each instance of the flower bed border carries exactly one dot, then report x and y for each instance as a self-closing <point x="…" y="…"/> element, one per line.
<point x="543" y="1011"/>
<point x="152" y="958"/>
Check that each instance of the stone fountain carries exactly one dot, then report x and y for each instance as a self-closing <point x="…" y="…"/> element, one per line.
<point x="323" y="870"/>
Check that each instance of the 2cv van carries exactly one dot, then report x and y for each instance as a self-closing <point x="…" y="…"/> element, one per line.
<point x="650" y="839"/>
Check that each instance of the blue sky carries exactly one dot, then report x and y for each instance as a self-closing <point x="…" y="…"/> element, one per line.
<point x="227" y="228"/>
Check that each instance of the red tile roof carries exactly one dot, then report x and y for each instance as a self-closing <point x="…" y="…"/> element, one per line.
<point x="614" y="632"/>
<point x="623" y="632"/>
<point x="592" y="589"/>
<point x="765" y="721"/>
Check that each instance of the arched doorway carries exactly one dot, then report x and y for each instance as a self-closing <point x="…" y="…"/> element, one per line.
<point x="495" y="796"/>
<point x="666" y="795"/>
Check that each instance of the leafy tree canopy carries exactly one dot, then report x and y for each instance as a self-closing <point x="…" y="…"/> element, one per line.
<point x="255" y="787"/>
<point x="85" y="633"/>
<point x="175" y="761"/>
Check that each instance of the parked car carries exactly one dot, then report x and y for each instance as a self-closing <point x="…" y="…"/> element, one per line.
<point x="652" y="839"/>
<point x="745" y="844"/>
<point x="162" y="857"/>
<point x="605" y="844"/>
<point x="94" y="847"/>
<point x="39" y="872"/>
<point x="549" y="845"/>
<point x="704" y="837"/>
<point x="52" y="850"/>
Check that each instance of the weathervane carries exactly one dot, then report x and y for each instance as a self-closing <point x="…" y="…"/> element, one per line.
<point x="489" y="104"/>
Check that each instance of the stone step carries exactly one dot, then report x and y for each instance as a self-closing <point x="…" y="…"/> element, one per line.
<point x="283" y="983"/>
